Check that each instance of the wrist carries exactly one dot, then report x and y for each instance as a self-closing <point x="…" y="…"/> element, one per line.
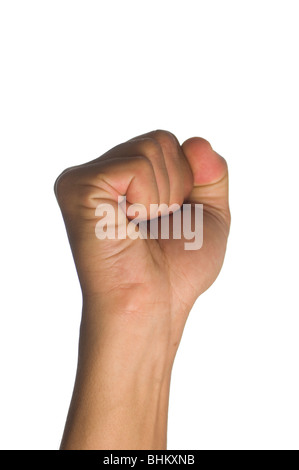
<point x="124" y="366"/>
<point x="130" y="337"/>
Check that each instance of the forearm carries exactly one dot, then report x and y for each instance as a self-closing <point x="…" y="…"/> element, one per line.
<point x="120" y="398"/>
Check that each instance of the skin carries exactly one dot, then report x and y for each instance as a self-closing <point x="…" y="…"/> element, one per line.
<point x="137" y="294"/>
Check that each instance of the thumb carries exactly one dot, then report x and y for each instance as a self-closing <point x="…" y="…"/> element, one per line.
<point x="210" y="175"/>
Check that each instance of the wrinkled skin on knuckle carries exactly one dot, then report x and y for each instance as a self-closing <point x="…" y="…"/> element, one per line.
<point x="151" y="148"/>
<point x="172" y="148"/>
<point x="72" y="190"/>
<point x="143" y="165"/>
<point x="62" y="186"/>
<point x="166" y="139"/>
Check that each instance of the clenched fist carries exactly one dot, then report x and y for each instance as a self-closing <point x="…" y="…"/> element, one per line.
<point x="137" y="290"/>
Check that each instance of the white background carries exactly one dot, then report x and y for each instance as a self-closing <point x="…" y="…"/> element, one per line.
<point x="77" y="78"/>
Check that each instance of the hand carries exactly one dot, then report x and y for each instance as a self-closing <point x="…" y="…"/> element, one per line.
<point x="137" y="293"/>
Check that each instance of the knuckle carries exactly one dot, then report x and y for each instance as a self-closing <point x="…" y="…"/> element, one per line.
<point x="63" y="186"/>
<point x="74" y="190"/>
<point x="60" y="182"/>
<point x="151" y="147"/>
<point x="143" y="164"/>
<point x="167" y="140"/>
